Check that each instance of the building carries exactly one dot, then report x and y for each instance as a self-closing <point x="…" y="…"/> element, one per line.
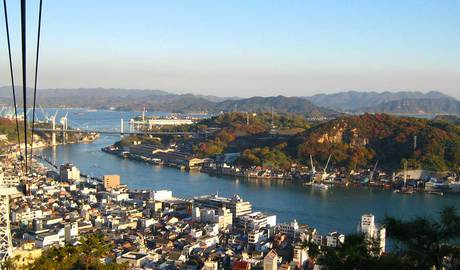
<point x="169" y="122"/>
<point x="222" y="216"/>
<point x="241" y="265"/>
<point x="237" y="206"/>
<point x="334" y="239"/>
<point x="289" y="229"/>
<point x="256" y="237"/>
<point x="178" y="159"/>
<point x="111" y="181"/>
<point x="26" y="215"/>
<point x="68" y="172"/>
<point x="133" y="259"/>
<point x="271" y="260"/>
<point x="146" y="149"/>
<point x="162" y="195"/>
<point x="256" y="221"/>
<point x="372" y="231"/>
<point x="300" y="255"/>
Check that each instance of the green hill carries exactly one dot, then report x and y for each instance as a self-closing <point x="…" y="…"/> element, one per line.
<point x="358" y="141"/>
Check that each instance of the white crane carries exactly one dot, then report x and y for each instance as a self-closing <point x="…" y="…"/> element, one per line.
<point x="313" y="170"/>
<point x="371" y="176"/>
<point x="64" y="121"/>
<point x="325" y="174"/>
<point x="45" y="114"/>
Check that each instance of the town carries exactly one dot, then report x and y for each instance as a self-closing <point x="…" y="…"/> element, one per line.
<point x="153" y="229"/>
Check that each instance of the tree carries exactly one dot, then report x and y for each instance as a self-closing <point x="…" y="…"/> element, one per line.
<point x="85" y="256"/>
<point x="426" y="241"/>
<point x="355" y="254"/>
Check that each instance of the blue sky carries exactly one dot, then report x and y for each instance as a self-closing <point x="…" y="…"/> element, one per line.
<point x="245" y="48"/>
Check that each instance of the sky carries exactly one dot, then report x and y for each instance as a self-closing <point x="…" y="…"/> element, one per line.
<point x="242" y="48"/>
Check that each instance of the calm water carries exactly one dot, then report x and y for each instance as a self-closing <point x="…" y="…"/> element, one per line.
<point x="336" y="209"/>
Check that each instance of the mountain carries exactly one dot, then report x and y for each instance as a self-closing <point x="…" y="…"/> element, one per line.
<point x="417" y="106"/>
<point x="279" y="104"/>
<point x="453" y="119"/>
<point x="355" y="101"/>
<point x="157" y="100"/>
<point x="360" y="141"/>
<point x="104" y="98"/>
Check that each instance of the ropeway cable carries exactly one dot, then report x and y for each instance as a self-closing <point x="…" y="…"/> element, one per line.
<point x="35" y="80"/>
<point x="24" y="74"/>
<point x="11" y="70"/>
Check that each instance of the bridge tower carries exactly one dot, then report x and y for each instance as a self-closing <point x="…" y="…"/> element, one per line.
<point x="121" y="127"/>
<point x="131" y="125"/>
<point x="64" y="122"/>
<point x="53" y="134"/>
<point x="6" y="245"/>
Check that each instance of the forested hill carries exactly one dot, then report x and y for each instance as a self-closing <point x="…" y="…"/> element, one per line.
<point x="280" y="104"/>
<point x="418" y="106"/>
<point x="359" y="141"/>
<point x="353" y="101"/>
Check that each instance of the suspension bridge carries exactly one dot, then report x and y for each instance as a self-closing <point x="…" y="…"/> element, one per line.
<point x="115" y="132"/>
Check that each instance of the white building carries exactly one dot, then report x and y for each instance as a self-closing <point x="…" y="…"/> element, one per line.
<point x="71" y="231"/>
<point x="69" y="172"/>
<point x="119" y="196"/>
<point x="169" y="122"/>
<point x="271" y="261"/>
<point x="290" y="229"/>
<point x="26" y="215"/>
<point x="255" y="237"/>
<point x="48" y="239"/>
<point x="222" y="216"/>
<point x="300" y="256"/>
<point x="237" y="205"/>
<point x="334" y="239"/>
<point x="256" y="221"/>
<point x="162" y="195"/>
<point x="372" y="231"/>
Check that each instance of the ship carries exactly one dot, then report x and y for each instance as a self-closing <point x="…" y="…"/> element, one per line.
<point x="320" y="186"/>
<point x="404" y="190"/>
<point x="439" y="193"/>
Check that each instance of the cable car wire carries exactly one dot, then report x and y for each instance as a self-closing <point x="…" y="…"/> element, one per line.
<point x="11" y="71"/>
<point x="35" y="79"/>
<point x="24" y="75"/>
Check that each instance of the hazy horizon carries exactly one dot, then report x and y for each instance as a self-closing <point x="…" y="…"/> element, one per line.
<point x="240" y="48"/>
<point x="184" y="92"/>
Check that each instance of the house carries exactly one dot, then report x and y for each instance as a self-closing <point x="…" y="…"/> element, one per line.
<point x="133" y="259"/>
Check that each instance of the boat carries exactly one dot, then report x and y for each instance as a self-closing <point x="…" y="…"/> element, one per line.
<point x="405" y="190"/>
<point x="320" y="186"/>
<point x="439" y="193"/>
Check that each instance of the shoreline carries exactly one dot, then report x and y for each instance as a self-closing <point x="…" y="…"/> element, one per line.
<point x="298" y="181"/>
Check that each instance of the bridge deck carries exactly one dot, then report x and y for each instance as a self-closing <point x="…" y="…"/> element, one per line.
<point x="116" y="132"/>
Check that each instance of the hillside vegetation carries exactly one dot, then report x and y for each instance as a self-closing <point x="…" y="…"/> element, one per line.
<point x="358" y="101"/>
<point x="359" y="141"/>
<point x="240" y="131"/>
